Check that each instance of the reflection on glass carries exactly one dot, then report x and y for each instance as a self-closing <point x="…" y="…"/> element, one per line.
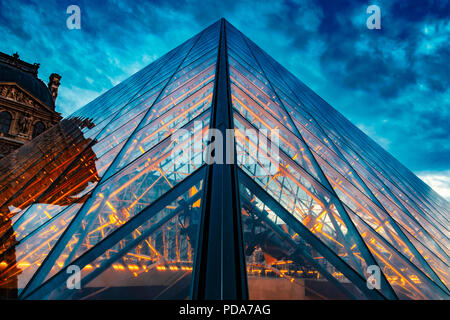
<point x="30" y="217"/>
<point x="308" y="201"/>
<point x="280" y="265"/>
<point x="155" y="261"/>
<point x="405" y="278"/>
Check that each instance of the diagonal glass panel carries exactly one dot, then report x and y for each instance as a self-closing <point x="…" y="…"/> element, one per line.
<point x="20" y="262"/>
<point x="399" y="197"/>
<point x="253" y="89"/>
<point x="377" y="186"/>
<point x="245" y="68"/>
<point x="270" y="71"/>
<point x="174" y="111"/>
<point x="376" y="218"/>
<point x="133" y="111"/>
<point x="164" y="126"/>
<point x="264" y="123"/>
<point x="73" y="187"/>
<point x="154" y="261"/>
<point x="414" y="226"/>
<point x="280" y="264"/>
<point x="416" y="222"/>
<point x="253" y="81"/>
<point x="197" y="81"/>
<point x="440" y="267"/>
<point x="135" y="187"/>
<point x="319" y="143"/>
<point x="307" y="200"/>
<point x="395" y="181"/>
<point x="410" y="184"/>
<point x="406" y="279"/>
<point x="197" y="73"/>
<point x="239" y="50"/>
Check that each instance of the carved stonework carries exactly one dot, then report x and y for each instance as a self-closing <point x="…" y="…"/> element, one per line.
<point x="13" y="93"/>
<point x="3" y="91"/>
<point x="53" y="84"/>
<point x="24" y="123"/>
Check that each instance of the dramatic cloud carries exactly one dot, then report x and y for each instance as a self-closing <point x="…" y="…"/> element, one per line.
<point x="439" y="182"/>
<point x="393" y="83"/>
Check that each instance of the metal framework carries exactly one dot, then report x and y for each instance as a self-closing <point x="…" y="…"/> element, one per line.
<point x="124" y="191"/>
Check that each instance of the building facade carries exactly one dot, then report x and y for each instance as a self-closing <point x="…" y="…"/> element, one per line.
<point x="134" y="202"/>
<point x="27" y="105"/>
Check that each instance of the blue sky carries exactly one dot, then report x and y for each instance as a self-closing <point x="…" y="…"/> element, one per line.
<point x="392" y="83"/>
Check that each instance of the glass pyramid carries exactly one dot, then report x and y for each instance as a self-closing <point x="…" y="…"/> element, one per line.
<point x="112" y="192"/>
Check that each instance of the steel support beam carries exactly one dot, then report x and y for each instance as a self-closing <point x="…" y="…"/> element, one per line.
<point x="219" y="272"/>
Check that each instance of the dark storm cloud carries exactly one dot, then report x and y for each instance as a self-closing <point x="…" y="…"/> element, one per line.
<point x="393" y="83"/>
<point x="399" y="72"/>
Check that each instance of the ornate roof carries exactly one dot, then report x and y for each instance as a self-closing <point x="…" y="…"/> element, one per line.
<point x="12" y="69"/>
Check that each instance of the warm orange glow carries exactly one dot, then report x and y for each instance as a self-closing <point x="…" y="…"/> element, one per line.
<point x="196" y="204"/>
<point x="110" y="206"/>
<point x="285" y="172"/>
<point x="3" y="265"/>
<point x="193" y="191"/>
<point x="404" y="280"/>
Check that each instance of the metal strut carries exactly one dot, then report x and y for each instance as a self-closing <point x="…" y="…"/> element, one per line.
<point x="219" y="272"/>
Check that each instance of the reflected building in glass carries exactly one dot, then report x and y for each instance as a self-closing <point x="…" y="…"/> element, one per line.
<point x="106" y="191"/>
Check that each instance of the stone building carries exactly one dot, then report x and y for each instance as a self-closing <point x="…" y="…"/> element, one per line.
<point x="27" y="105"/>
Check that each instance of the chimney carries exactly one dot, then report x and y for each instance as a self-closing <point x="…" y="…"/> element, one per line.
<point x="53" y="85"/>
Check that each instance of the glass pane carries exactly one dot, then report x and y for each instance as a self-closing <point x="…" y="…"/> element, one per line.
<point x="20" y="261"/>
<point x="132" y="189"/>
<point x="280" y="264"/>
<point x="155" y="261"/>
<point x="300" y="194"/>
<point x="263" y="123"/>
<point x="72" y="187"/>
<point x="407" y="281"/>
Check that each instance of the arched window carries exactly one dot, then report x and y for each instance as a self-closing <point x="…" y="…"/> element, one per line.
<point x="38" y="129"/>
<point x="5" y="121"/>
